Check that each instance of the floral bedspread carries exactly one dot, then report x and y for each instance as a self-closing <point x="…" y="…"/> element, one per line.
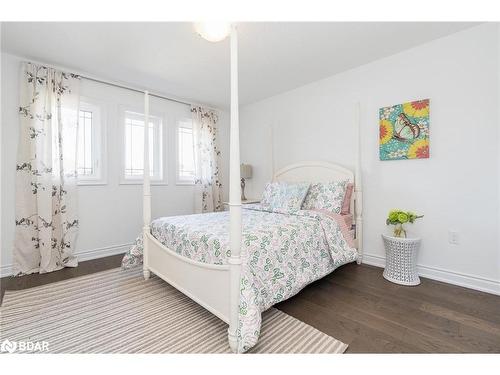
<point x="281" y="254"/>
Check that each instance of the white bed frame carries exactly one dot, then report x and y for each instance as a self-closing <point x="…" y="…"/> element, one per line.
<point x="216" y="287"/>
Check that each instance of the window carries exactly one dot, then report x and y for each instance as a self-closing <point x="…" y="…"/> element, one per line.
<point x="90" y="145"/>
<point x="134" y="148"/>
<point x="86" y="165"/>
<point x="185" y="152"/>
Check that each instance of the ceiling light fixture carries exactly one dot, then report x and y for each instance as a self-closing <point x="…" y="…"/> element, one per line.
<point x="213" y="31"/>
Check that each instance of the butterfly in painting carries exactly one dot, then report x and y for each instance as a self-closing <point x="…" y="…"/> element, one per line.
<point x="404" y="129"/>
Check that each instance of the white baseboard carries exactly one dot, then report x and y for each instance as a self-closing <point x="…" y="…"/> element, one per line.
<point x="103" y="252"/>
<point x="451" y="277"/>
<point x="82" y="255"/>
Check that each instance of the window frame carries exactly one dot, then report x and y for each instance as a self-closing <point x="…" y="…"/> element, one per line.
<point x="99" y="142"/>
<point x="179" y="180"/>
<point x="161" y="143"/>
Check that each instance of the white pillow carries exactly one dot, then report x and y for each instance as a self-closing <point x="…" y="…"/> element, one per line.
<point x="326" y="196"/>
<point x="284" y="197"/>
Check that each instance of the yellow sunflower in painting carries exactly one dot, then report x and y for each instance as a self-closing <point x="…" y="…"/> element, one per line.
<point x="419" y="149"/>
<point x="386" y="131"/>
<point x="419" y="108"/>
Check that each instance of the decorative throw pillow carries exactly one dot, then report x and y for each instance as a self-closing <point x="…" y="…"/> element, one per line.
<point x="346" y="205"/>
<point x="327" y="196"/>
<point x="284" y="197"/>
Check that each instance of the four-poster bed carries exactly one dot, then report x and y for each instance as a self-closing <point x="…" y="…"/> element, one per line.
<point x="217" y="287"/>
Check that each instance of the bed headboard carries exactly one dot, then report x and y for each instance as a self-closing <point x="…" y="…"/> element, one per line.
<point x="321" y="171"/>
<point x="313" y="171"/>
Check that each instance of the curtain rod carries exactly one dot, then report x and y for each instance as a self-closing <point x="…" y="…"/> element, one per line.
<point x="121" y="86"/>
<point x="133" y="89"/>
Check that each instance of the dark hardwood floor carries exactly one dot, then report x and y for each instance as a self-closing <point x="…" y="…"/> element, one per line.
<point x="357" y="305"/>
<point x="36" y="279"/>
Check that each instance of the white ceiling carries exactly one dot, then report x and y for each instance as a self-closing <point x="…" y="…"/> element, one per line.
<point x="170" y="58"/>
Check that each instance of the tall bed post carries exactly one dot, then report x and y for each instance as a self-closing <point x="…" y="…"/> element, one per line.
<point x="234" y="199"/>
<point x="271" y="143"/>
<point x="358" y="187"/>
<point x="146" y="203"/>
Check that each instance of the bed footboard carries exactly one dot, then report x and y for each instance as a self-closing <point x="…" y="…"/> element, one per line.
<point x="206" y="284"/>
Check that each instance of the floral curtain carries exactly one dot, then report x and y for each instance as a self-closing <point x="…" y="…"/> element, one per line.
<point x="46" y="221"/>
<point x="207" y="156"/>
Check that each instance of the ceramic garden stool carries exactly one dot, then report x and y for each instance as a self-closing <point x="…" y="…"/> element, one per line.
<point x="401" y="260"/>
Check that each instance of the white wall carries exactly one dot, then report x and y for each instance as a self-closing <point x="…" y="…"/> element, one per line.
<point x="456" y="189"/>
<point x="111" y="214"/>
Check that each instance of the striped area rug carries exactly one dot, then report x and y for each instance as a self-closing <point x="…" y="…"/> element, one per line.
<point x="117" y="311"/>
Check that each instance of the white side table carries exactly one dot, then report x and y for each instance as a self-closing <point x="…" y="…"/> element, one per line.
<point x="401" y="260"/>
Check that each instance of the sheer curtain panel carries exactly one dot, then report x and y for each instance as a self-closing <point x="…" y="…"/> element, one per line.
<point x="46" y="213"/>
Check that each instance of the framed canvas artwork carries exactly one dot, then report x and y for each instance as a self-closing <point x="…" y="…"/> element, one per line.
<point x="404" y="131"/>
